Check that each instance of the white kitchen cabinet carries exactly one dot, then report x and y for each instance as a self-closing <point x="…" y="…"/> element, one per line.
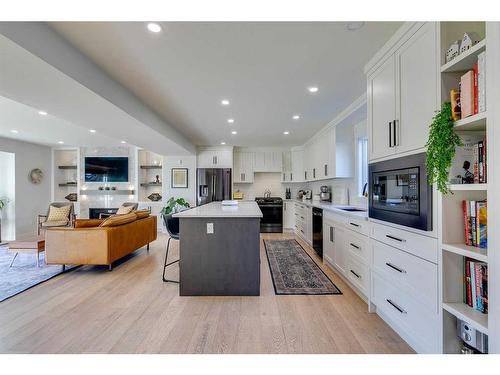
<point x="335" y="245"/>
<point x="286" y="166"/>
<point x="288" y="215"/>
<point x="243" y="167"/>
<point x="418" y="76"/>
<point x="297" y="174"/>
<point x="214" y="158"/>
<point x="328" y="242"/>
<point x="309" y="224"/>
<point x="268" y="161"/>
<point x="382" y="109"/>
<point x="402" y="95"/>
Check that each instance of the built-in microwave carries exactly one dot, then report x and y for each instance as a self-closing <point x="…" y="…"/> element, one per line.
<point x="399" y="192"/>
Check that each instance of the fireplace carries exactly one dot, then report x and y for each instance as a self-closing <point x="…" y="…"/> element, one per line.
<point x="95" y="212"/>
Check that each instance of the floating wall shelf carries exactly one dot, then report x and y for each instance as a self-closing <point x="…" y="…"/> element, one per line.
<point x="67" y="167"/>
<point x="151" y="184"/>
<point x="107" y="192"/>
<point x="151" y="167"/>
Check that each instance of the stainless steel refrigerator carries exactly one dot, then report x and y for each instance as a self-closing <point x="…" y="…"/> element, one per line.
<point x="213" y="184"/>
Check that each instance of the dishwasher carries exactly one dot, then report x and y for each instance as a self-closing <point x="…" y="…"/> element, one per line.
<point x="317" y="231"/>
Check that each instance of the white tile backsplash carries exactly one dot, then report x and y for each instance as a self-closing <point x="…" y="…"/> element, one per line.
<point x="262" y="182"/>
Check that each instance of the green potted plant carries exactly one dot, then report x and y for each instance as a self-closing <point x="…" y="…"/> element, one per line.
<point x="441" y="147"/>
<point x="174" y="205"/>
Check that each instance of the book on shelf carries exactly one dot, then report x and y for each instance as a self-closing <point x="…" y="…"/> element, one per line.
<point x="472" y="89"/>
<point x="470" y="162"/>
<point x="475" y="285"/>
<point x="481" y="81"/>
<point x="467" y="94"/>
<point x="475" y="217"/>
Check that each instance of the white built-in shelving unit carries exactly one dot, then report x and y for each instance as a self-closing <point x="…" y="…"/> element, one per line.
<point x="65" y="162"/>
<point x="453" y="250"/>
<point x="150" y="165"/>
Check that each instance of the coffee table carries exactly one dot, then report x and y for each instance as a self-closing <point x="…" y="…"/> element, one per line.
<point x="33" y="244"/>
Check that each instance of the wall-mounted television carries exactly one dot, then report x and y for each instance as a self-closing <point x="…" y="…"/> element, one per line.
<point x="106" y="169"/>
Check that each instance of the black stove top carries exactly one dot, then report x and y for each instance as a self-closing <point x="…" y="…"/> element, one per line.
<point x="270" y="200"/>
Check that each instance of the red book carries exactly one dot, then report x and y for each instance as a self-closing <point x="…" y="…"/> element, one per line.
<point x="465" y="208"/>
<point x="468" y="283"/>
<point x="476" y="104"/>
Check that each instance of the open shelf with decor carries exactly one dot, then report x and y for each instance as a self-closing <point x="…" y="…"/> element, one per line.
<point x="65" y="173"/>
<point x="150" y="177"/>
<point x="464" y="257"/>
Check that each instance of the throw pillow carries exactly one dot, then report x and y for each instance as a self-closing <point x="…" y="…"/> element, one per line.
<point x="58" y="213"/>
<point x="116" y="220"/>
<point x="124" y="210"/>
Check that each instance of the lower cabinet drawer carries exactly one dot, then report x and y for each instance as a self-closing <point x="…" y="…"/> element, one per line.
<point x="358" y="245"/>
<point x="416" y="276"/>
<point x="415" y="324"/>
<point x="359" y="274"/>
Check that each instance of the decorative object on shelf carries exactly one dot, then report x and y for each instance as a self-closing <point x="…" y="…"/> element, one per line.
<point x="155" y="197"/>
<point x="157" y="180"/>
<point x="469" y="165"/>
<point x="101" y="188"/>
<point x="106" y="188"/>
<point x="456" y="111"/>
<point x="36" y="175"/>
<point x="72" y="197"/>
<point x="179" y="177"/>
<point x="453" y="51"/>
<point x="175" y="205"/>
<point x="468" y="40"/>
<point x="113" y="188"/>
<point x="441" y="148"/>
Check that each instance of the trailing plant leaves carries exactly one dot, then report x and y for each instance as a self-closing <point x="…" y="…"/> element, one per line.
<point x="441" y="148"/>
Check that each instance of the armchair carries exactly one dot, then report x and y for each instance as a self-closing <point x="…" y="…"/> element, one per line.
<point x="43" y="222"/>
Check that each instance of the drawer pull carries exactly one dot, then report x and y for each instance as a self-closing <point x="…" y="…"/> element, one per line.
<point x="355" y="246"/>
<point x="395" y="238"/>
<point x="355" y="274"/>
<point x="354" y="224"/>
<point x="302" y="231"/>
<point x="395" y="268"/>
<point x="302" y="217"/>
<point x="396" y="307"/>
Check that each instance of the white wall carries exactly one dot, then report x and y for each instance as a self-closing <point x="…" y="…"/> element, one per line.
<point x="262" y="182"/>
<point x="170" y="162"/>
<point x="30" y="199"/>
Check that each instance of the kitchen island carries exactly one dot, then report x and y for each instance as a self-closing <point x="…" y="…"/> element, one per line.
<point x="220" y="250"/>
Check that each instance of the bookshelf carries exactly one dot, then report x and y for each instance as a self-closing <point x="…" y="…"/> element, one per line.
<point x="65" y="163"/>
<point x="150" y="166"/>
<point x="453" y="250"/>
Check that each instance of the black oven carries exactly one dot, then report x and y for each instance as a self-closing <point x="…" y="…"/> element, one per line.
<point x="399" y="192"/>
<point x="272" y="214"/>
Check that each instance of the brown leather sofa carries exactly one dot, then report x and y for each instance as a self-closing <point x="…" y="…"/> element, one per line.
<point x="91" y="244"/>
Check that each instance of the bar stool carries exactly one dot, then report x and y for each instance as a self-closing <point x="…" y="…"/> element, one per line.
<point x="172" y="225"/>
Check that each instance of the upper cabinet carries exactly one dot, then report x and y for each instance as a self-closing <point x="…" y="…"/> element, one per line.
<point x="402" y="93"/>
<point x="212" y="157"/>
<point x="243" y="167"/>
<point x="297" y="158"/>
<point x="268" y="161"/>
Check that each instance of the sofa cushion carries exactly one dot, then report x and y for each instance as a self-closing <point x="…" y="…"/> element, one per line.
<point x="59" y="213"/>
<point x="88" y="223"/>
<point x="141" y="214"/>
<point x="124" y="210"/>
<point x="54" y="223"/>
<point x="115" y="220"/>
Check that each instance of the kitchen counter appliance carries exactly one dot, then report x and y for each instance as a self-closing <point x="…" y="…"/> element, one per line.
<point x="325" y="194"/>
<point x="272" y="211"/>
<point x="317" y="232"/>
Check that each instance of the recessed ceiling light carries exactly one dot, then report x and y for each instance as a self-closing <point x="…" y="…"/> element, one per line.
<point x="154" y="27"/>
<point x="286" y="132"/>
<point x="42" y="113"/>
<point x="230" y="120"/>
<point x="92" y="130"/>
<point x="224" y="102"/>
<point x="223" y="143"/>
<point x="353" y="26"/>
<point x="234" y="132"/>
<point x="14" y="131"/>
<point x="296" y="117"/>
<point x="60" y="142"/>
<point x="123" y="142"/>
<point x="313" y="89"/>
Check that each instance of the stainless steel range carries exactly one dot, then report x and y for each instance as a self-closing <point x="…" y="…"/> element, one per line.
<point x="272" y="214"/>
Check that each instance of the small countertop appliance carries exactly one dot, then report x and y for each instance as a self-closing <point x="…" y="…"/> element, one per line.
<point x="325" y="194"/>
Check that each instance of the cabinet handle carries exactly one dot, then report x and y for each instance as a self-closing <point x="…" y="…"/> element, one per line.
<point x="291" y="176"/>
<point x="314" y="172"/>
<point x="302" y="217"/>
<point x="284" y="178"/>
<point x="354" y="225"/>
<point x="396" y="306"/>
<point x="355" y="274"/>
<point x="395" y="267"/>
<point x="305" y="175"/>
<point x="355" y="246"/>
<point x="395" y="238"/>
<point x="394" y="133"/>
<point x="390" y="134"/>
<point x="326" y="170"/>
<point x="331" y="234"/>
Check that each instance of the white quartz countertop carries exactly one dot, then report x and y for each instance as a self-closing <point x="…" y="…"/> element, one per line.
<point x="244" y="209"/>
<point x="336" y="208"/>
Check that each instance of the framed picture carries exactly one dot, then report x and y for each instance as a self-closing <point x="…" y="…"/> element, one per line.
<point x="179" y="177"/>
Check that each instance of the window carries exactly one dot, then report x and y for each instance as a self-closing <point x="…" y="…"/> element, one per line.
<point x="362" y="164"/>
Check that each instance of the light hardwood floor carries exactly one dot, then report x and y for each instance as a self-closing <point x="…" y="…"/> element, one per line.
<point x="130" y="310"/>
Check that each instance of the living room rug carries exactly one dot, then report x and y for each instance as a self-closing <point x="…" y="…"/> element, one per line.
<point x="294" y="271"/>
<point x="24" y="273"/>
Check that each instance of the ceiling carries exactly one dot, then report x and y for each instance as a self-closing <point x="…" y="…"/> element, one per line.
<point x="264" y="69"/>
<point x="30" y="126"/>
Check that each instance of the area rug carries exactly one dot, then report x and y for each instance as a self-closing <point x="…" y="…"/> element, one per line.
<point x="293" y="270"/>
<point x="24" y="273"/>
